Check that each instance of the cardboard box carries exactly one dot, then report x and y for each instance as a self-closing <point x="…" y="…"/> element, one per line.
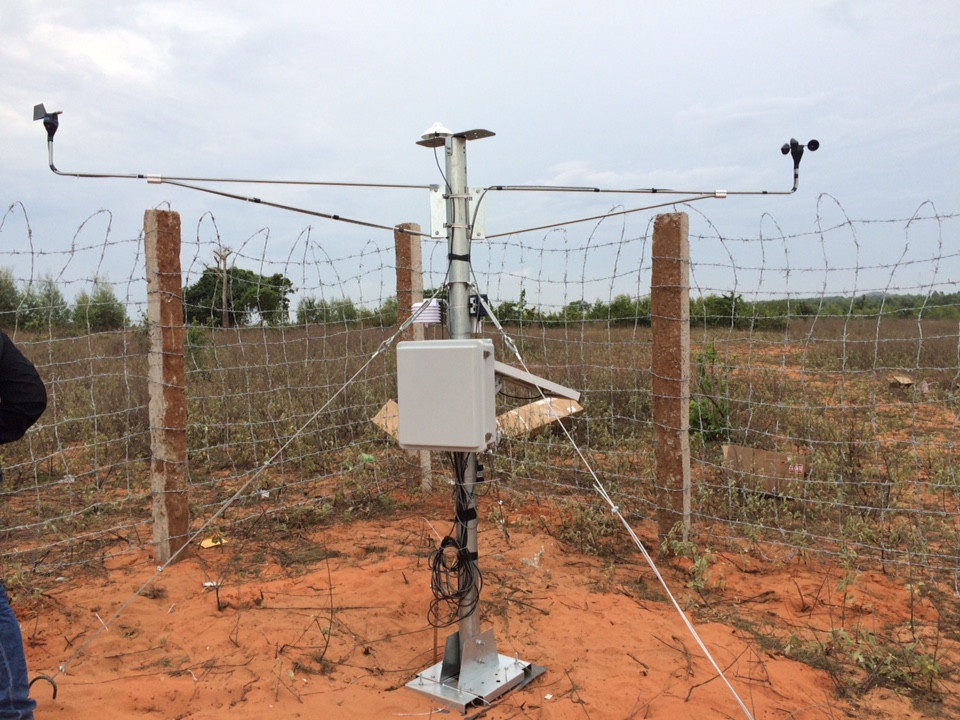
<point x="766" y="470"/>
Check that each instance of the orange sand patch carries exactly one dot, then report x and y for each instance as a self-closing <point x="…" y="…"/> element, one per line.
<point x="221" y="635"/>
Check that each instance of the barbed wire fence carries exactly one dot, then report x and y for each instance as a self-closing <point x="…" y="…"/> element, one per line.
<point x="824" y="388"/>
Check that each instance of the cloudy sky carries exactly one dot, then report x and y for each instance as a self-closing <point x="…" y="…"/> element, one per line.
<point x="613" y="94"/>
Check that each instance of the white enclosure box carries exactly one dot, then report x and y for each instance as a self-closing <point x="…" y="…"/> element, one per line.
<point x="446" y="392"/>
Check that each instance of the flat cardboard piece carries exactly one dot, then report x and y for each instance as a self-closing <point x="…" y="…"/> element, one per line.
<point x="388" y="419"/>
<point x="535" y="415"/>
<point x="765" y="469"/>
<point x="513" y="423"/>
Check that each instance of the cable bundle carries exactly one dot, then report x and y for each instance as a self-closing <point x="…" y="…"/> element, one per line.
<point x="452" y="578"/>
<point x="455" y="579"/>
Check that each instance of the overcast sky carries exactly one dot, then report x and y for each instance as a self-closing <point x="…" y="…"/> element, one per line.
<point x="615" y="94"/>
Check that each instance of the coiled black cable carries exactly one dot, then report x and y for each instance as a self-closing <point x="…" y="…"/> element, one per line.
<point x="453" y="575"/>
<point x="455" y="579"/>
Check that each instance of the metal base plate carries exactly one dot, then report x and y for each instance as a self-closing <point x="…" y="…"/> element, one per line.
<point x="484" y="676"/>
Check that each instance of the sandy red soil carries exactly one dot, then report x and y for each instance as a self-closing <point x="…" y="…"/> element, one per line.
<point x="338" y="637"/>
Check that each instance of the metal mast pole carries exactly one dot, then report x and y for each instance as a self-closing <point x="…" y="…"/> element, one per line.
<point x="459" y="327"/>
<point x="458" y="298"/>
<point x="472" y="670"/>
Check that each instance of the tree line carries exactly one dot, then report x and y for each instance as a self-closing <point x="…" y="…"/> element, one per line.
<point x="235" y="297"/>
<point x="733" y="311"/>
<point x="41" y="306"/>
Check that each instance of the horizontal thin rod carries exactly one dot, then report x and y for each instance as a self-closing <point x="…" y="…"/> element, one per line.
<point x="636" y="191"/>
<point x="291" y="208"/>
<point x="321" y="183"/>
<point x="251" y="181"/>
<point x="617" y="213"/>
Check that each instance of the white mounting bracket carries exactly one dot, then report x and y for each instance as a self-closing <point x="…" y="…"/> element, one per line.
<point x="438" y="212"/>
<point x="534" y="382"/>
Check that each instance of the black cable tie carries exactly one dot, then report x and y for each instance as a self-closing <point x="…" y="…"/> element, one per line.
<point x="471" y="556"/>
<point x="466" y="515"/>
<point x="464" y="258"/>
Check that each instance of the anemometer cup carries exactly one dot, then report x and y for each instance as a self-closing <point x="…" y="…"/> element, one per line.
<point x="795" y="149"/>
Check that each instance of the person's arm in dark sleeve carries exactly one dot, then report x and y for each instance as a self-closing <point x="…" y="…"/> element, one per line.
<point x="23" y="398"/>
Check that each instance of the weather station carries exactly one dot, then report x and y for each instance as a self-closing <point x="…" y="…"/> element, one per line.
<point x="458" y="415"/>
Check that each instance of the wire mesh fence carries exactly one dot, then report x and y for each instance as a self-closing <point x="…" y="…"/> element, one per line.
<point x="824" y="392"/>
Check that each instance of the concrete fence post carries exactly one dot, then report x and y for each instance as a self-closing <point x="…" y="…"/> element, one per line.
<point x="406" y="237"/>
<point x="670" y="328"/>
<point x="166" y="383"/>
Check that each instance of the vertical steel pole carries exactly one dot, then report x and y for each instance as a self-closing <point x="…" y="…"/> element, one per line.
<point x="472" y="671"/>
<point x="458" y="287"/>
<point x="459" y="327"/>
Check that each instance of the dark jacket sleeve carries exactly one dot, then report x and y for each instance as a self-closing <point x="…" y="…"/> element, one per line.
<point x="23" y="398"/>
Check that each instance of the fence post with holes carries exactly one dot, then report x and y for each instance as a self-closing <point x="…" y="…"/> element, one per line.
<point x="166" y="383"/>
